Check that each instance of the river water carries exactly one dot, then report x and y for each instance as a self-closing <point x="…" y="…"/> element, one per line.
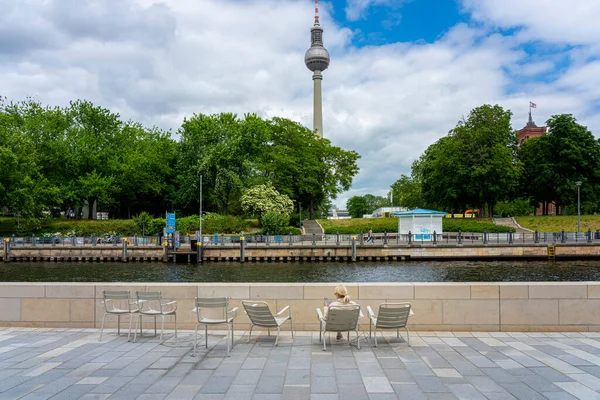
<point x="413" y="271"/>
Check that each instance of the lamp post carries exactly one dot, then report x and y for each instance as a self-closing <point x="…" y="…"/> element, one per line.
<point x="578" y="183"/>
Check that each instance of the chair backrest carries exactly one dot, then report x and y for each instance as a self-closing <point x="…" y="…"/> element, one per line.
<point x="119" y="299"/>
<point x="393" y="315"/>
<point x="342" y="318"/>
<point x="260" y="314"/>
<point x="211" y="304"/>
<point x="149" y="301"/>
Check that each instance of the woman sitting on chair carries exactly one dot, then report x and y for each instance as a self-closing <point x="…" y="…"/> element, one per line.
<point x="342" y="299"/>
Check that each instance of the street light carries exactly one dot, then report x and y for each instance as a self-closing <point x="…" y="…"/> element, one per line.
<point x="578" y="183"/>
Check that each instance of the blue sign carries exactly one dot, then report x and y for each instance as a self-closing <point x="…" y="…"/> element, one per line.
<point x="170" y="222"/>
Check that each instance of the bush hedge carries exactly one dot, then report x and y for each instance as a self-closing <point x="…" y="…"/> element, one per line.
<point x="358" y="225"/>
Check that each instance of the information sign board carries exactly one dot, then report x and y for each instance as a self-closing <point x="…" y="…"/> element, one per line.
<point x="170" y="223"/>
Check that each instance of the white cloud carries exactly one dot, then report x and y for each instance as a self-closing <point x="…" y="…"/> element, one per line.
<point x="570" y="22"/>
<point x="159" y="61"/>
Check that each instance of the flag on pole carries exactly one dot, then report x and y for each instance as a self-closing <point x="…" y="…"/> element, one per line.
<point x="532" y="105"/>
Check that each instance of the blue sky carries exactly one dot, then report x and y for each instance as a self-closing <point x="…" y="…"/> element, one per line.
<point x="402" y="72"/>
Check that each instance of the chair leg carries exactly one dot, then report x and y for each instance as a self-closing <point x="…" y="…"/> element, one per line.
<point x="162" y="329"/>
<point x="118" y="324"/>
<point x="138" y="321"/>
<point x="370" y="324"/>
<point x="228" y="332"/>
<point x="250" y="333"/>
<point x="232" y="337"/>
<point x="277" y="337"/>
<point x="398" y="333"/>
<point x="357" y="340"/>
<point x="102" y="327"/>
<point x="175" y="315"/>
<point x="195" y="340"/>
<point x="375" y="334"/>
<point x="324" y="342"/>
<point x="292" y="328"/>
<point x="407" y="336"/>
<point x="154" y="325"/>
<point x="206" y="336"/>
<point x="130" y="321"/>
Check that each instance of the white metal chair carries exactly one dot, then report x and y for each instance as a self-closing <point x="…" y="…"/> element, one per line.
<point x="150" y="304"/>
<point x="340" y="319"/>
<point x="224" y="317"/>
<point x="118" y="302"/>
<point x="260" y="315"/>
<point x="390" y="316"/>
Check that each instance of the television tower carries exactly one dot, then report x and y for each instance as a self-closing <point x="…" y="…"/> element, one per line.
<point x="317" y="60"/>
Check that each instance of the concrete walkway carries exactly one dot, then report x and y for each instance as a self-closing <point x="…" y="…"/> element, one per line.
<point x="71" y="364"/>
<point x="512" y="223"/>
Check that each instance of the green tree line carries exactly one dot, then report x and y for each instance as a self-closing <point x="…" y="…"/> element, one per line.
<point x="65" y="157"/>
<point x="479" y="164"/>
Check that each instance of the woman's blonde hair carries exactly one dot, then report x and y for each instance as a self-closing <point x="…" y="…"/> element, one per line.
<point x="343" y="293"/>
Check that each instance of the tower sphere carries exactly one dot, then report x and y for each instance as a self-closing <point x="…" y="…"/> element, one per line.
<point x="317" y="58"/>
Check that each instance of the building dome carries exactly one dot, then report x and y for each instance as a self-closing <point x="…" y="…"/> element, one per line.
<point x="317" y="58"/>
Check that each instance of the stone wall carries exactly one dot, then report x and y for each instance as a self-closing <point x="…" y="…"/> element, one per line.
<point x="567" y="306"/>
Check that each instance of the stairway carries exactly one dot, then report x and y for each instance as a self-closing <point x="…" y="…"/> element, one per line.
<point x="311" y="226"/>
<point x="510" y="222"/>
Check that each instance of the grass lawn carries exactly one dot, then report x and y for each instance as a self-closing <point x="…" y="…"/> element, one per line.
<point x="358" y="225"/>
<point x="557" y="223"/>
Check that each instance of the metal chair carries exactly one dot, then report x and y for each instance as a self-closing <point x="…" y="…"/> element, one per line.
<point x="260" y="315"/>
<point x="225" y="318"/>
<point x="390" y="316"/>
<point x="151" y="304"/>
<point x="117" y="302"/>
<point x="339" y="319"/>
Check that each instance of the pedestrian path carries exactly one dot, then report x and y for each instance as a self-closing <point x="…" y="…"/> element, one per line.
<point x="72" y="364"/>
<point x="511" y="222"/>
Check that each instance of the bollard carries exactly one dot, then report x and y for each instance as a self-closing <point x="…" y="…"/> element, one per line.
<point x="485" y="238"/>
<point x="409" y="237"/>
<point x="33" y="240"/>
<point x="589" y="235"/>
<point x="74" y="240"/>
<point x="510" y="238"/>
<point x="267" y="238"/>
<point x="536" y="237"/>
<point x="242" y="249"/>
<point x="434" y="237"/>
<point x="459" y="236"/>
<point x="314" y="239"/>
<point x="6" y="249"/>
<point x="385" y="238"/>
<point x="124" y="257"/>
<point x="158" y="239"/>
<point x="353" y="248"/>
<point x="562" y="236"/>
<point x="290" y="238"/>
<point x="337" y="239"/>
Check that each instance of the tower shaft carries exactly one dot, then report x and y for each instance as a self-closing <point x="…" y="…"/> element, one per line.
<point x="317" y="104"/>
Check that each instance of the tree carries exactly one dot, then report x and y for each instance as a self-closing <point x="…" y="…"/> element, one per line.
<point x="552" y="163"/>
<point x="357" y="206"/>
<point x="263" y="199"/>
<point x="474" y="165"/>
<point x="406" y="192"/>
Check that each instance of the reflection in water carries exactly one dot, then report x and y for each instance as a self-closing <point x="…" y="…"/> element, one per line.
<point x="413" y="271"/>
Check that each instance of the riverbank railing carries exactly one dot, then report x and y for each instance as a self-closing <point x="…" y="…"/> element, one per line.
<point x="361" y="239"/>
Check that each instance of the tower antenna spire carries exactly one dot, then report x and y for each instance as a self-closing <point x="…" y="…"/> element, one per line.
<point x="316" y="12"/>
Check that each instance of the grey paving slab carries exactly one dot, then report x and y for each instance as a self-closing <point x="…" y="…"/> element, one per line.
<point x="71" y="363"/>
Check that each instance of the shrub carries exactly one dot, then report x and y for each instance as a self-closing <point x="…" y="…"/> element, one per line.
<point x="274" y="223"/>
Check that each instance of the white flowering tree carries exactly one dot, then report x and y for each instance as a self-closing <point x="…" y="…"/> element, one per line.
<point x="262" y="199"/>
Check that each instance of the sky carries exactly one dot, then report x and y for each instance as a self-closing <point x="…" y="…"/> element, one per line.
<point x="402" y="72"/>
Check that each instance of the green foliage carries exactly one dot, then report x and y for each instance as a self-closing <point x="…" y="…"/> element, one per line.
<point x="406" y="192"/>
<point x="514" y="207"/>
<point x="551" y="164"/>
<point x="472" y="166"/>
<point x="358" y="206"/>
<point x="274" y="223"/>
<point x="262" y="199"/>
<point x="390" y="225"/>
<point x="143" y="220"/>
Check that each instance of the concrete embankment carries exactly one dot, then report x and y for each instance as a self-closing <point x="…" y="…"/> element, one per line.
<point x="502" y="306"/>
<point x="307" y="252"/>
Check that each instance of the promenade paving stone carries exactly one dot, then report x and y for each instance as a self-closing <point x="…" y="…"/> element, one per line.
<point x="72" y="364"/>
